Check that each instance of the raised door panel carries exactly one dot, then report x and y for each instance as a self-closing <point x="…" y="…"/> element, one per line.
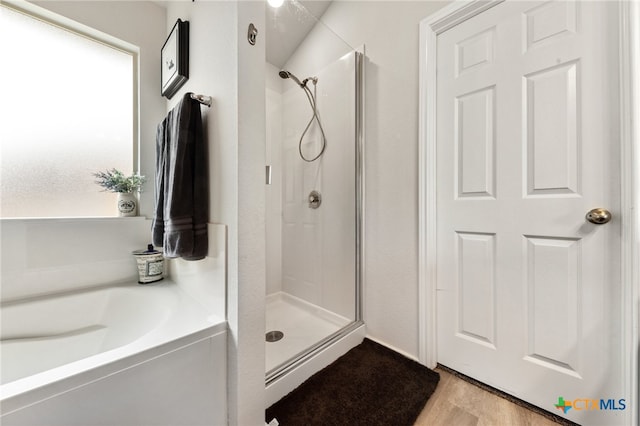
<point x="550" y="21"/>
<point x="475" y="143"/>
<point x="476" y="316"/>
<point x="553" y="282"/>
<point x="552" y="133"/>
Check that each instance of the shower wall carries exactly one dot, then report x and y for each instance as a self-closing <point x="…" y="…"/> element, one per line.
<point x="273" y="222"/>
<point x="317" y="246"/>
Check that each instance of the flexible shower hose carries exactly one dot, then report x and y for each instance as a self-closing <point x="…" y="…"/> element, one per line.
<point x="311" y="97"/>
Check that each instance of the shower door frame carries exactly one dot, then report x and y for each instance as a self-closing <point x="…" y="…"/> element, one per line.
<point x="358" y="321"/>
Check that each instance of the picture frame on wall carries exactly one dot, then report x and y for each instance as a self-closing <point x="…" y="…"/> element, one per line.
<point x="174" y="68"/>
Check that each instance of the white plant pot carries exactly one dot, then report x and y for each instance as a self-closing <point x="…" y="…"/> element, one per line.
<point x="127" y="204"/>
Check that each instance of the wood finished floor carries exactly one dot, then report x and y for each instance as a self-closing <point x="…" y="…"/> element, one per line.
<point x="456" y="402"/>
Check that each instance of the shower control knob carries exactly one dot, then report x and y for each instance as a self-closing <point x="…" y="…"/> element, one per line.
<point x="315" y="199"/>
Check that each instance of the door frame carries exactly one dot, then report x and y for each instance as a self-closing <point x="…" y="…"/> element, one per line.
<point x="629" y="48"/>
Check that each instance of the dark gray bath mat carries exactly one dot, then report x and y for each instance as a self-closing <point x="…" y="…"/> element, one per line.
<point x="369" y="385"/>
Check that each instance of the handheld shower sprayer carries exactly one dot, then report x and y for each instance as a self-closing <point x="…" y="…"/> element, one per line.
<point x="311" y="97"/>
<point x="286" y="74"/>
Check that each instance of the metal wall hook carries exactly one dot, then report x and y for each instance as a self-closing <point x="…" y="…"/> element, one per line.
<point x="252" y="34"/>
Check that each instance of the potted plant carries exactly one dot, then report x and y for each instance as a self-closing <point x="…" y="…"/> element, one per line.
<point x="114" y="180"/>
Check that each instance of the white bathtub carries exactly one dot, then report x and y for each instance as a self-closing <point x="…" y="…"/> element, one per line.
<point x="106" y="347"/>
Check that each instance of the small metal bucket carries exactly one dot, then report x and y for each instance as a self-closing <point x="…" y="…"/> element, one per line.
<point x="150" y="265"/>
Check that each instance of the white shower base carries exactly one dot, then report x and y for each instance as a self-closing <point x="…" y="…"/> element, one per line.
<point x="303" y="324"/>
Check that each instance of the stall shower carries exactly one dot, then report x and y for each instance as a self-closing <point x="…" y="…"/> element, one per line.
<point x="314" y="198"/>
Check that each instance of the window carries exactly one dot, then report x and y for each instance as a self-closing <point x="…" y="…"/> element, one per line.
<point x="66" y="111"/>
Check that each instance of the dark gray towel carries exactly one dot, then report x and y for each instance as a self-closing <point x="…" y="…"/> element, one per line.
<point x="182" y="196"/>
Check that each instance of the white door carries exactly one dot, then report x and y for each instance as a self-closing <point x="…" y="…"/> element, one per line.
<point x="527" y="144"/>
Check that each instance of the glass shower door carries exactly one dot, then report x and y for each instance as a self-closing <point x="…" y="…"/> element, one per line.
<point x="314" y="200"/>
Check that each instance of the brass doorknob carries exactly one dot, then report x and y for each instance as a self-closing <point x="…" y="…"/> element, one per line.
<point x="598" y="216"/>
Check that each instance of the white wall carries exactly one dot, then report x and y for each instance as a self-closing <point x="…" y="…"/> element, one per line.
<point x="249" y="310"/>
<point x="212" y="73"/>
<point x="274" y="89"/>
<point x="223" y="65"/>
<point x="43" y="256"/>
<point x="389" y="30"/>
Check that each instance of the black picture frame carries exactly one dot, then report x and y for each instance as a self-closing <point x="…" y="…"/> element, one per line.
<point x="174" y="58"/>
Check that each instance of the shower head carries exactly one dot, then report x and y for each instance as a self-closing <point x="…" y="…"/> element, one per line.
<point x="286" y="74"/>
